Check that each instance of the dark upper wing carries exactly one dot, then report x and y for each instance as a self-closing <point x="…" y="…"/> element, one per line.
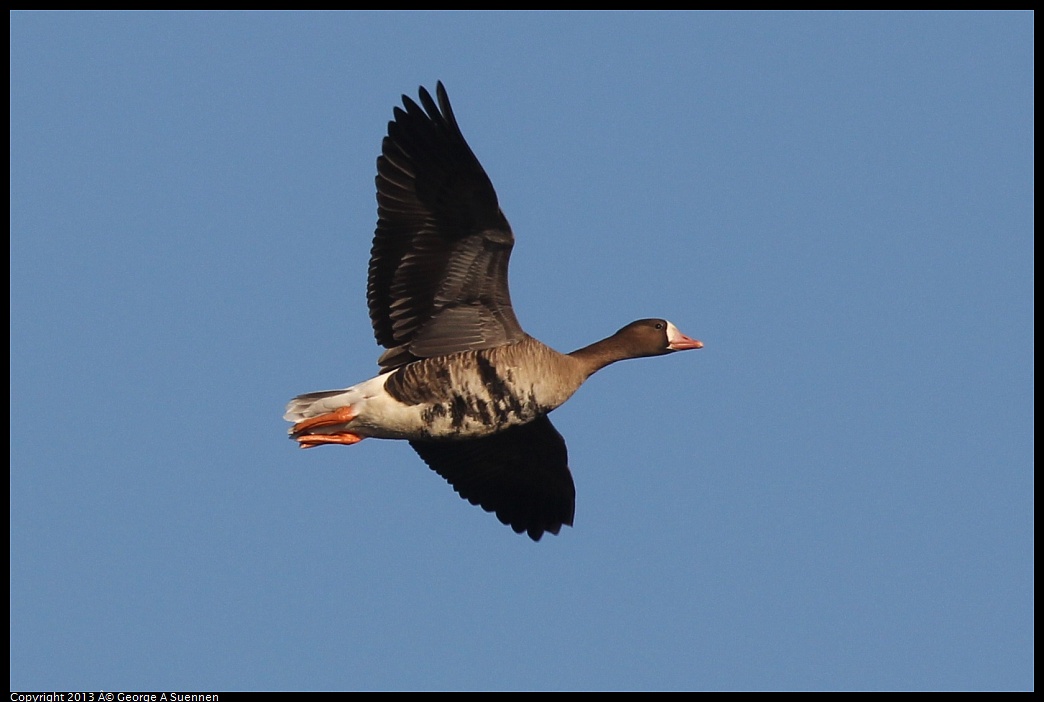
<point x="521" y="474"/>
<point x="439" y="262"/>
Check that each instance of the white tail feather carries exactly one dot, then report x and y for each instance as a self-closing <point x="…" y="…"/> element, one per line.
<point x="313" y="404"/>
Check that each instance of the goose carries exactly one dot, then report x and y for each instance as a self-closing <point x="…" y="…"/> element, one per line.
<point x="459" y="378"/>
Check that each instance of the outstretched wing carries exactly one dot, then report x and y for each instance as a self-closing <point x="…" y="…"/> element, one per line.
<point x="521" y="474"/>
<point x="438" y="279"/>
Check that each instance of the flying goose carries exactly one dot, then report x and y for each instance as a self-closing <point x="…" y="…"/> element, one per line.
<point x="459" y="379"/>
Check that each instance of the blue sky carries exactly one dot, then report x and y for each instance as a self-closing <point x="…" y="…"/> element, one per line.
<point x="835" y="493"/>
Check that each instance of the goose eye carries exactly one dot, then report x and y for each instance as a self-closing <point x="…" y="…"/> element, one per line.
<point x="659" y="325"/>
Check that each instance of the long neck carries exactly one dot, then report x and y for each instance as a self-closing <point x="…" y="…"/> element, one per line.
<point x="600" y="354"/>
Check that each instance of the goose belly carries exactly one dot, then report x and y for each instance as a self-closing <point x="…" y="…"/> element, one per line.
<point x="467" y="400"/>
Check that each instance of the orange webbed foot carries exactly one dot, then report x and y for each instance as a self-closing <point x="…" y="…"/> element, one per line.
<point x="341" y="415"/>
<point x="302" y="431"/>
<point x="312" y="440"/>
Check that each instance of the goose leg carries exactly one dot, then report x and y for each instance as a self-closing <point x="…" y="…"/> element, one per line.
<point x="312" y="440"/>
<point x="339" y="417"/>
